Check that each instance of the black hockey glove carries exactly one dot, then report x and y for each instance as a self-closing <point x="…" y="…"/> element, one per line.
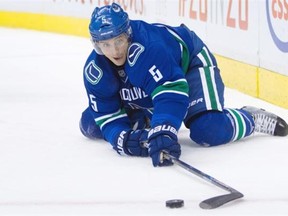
<point x="129" y="143"/>
<point x="163" y="137"/>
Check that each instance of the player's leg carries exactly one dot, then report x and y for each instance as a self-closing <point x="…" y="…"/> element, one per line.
<point x="212" y="128"/>
<point x="88" y="126"/>
<point x="209" y="123"/>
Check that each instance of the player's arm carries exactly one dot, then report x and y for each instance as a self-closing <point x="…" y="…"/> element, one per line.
<point x="164" y="80"/>
<point x="170" y="100"/>
<point x="115" y="126"/>
<point x="109" y="114"/>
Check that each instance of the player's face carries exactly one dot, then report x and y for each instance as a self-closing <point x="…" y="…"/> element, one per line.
<point x="115" y="49"/>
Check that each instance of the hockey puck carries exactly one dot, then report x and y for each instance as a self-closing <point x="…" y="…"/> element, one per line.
<point x="175" y="203"/>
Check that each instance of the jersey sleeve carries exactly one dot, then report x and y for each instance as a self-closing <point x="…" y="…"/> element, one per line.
<point x="104" y="100"/>
<point x="160" y="75"/>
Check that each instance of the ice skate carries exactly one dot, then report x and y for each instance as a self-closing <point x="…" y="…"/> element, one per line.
<point x="266" y="122"/>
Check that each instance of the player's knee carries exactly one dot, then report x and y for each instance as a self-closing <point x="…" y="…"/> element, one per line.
<point x="88" y="126"/>
<point x="211" y="128"/>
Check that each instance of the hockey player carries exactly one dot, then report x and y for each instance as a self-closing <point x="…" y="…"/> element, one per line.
<point x="143" y="80"/>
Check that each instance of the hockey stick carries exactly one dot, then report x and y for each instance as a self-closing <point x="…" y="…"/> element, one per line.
<point x="212" y="202"/>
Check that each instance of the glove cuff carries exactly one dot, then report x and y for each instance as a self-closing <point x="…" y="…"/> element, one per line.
<point x="129" y="141"/>
<point x="164" y="129"/>
<point x="120" y="143"/>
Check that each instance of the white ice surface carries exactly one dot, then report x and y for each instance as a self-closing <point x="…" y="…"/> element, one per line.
<point x="48" y="168"/>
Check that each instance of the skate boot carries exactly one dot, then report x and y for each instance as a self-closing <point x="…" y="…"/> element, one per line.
<point x="266" y="122"/>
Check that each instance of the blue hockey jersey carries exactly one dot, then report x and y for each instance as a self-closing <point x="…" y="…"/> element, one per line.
<point x="152" y="79"/>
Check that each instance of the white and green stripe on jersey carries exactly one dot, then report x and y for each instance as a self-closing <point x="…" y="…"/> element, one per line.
<point x="209" y="86"/>
<point x="105" y="119"/>
<point x="178" y="87"/>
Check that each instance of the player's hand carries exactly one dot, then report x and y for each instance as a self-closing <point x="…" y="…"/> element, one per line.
<point x="138" y="119"/>
<point x="163" y="137"/>
<point x="130" y="143"/>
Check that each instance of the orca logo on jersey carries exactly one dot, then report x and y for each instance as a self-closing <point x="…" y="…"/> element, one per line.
<point x="93" y="73"/>
<point x="134" y="52"/>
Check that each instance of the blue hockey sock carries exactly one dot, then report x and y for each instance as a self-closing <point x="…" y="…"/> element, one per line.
<point x="242" y="122"/>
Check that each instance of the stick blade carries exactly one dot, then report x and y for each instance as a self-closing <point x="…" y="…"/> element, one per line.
<point x="217" y="201"/>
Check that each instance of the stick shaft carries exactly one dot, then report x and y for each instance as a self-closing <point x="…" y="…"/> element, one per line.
<point x="199" y="173"/>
